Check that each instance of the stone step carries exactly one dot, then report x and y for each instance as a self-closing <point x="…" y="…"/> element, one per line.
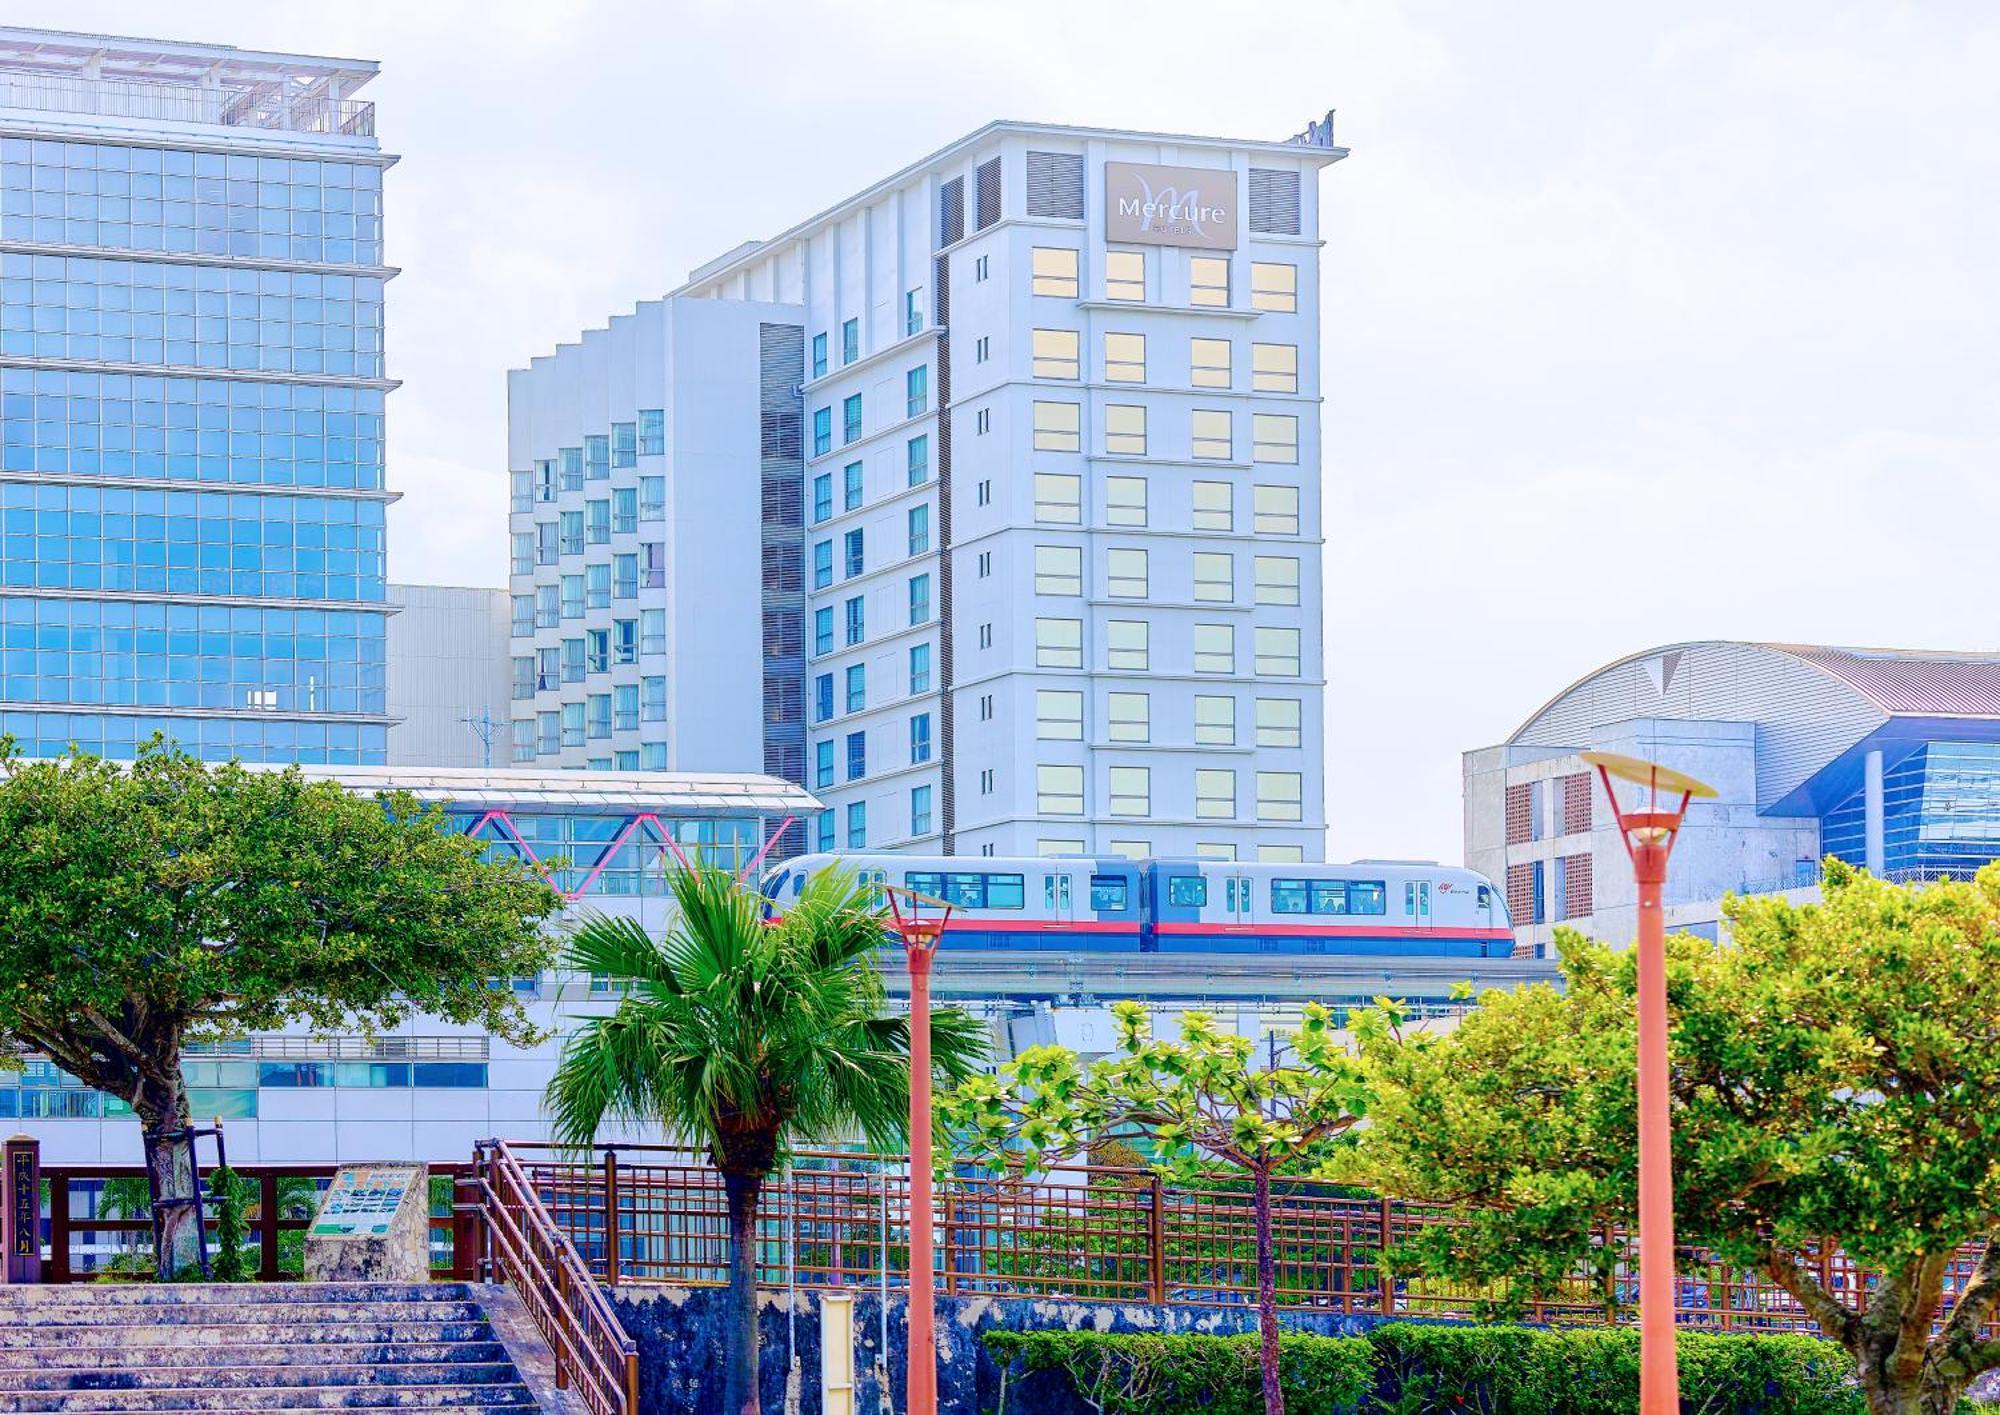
<point x="148" y="1294"/>
<point x="102" y="1357"/>
<point x="218" y="1334"/>
<point x="509" y="1397"/>
<point x="237" y="1375"/>
<point x="75" y="1313"/>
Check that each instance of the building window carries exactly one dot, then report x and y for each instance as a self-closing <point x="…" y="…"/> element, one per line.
<point x="1214" y="648"/>
<point x="524" y="739"/>
<point x="920" y="599"/>
<point x="857" y="755"/>
<point x="625" y="576"/>
<point x="626" y="707"/>
<point x="1127" y="645"/>
<point x="913" y="312"/>
<point x="570" y="533"/>
<point x="1209" y="363"/>
<point x="1274" y="368"/>
<point x="524" y="677"/>
<point x="857" y="628"/>
<point x="986" y="636"/>
<point x="653" y="699"/>
<point x="1058" y="427"/>
<point x="1274" y="437"/>
<point x="1124" y="358"/>
<point x="1277" y="652"/>
<point x="572" y="724"/>
<point x="1274" y="286"/>
<point x="920" y="738"/>
<point x="918" y="522"/>
<point x="521" y="492"/>
<point x="625" y="510"/>
<point x="597" y="650"/>
<point x="652" y="631"/>
<point x="850" y="418"/>
<point x="986" y="782"/>
<point x="1058" y="715"/>
<point x="1214" y="793"/>
<point x="983" y="492"/>
<point x="1280" y="796"/>
<point x="819" y="355"/>
<point x="823" y="697"/>
<point x="982" y="349"/>
<point x="823" y="629"/>
<point x="597" y="586"/>
<point x="1059" y="643"/>
<point x="1209" y="432"/>
<point x="1208" y="280"/>
<point x="981" y="269"/>
<point x="1059" y="498"/>
<point x="982" y="422"/>
<point x="1128" y="717"/>
<point x="920" y="668"/>
<point x="548" y="733"/>
<point x="1125" y="429"/>
<point x="822" y="431"/>
<point x="1124" y="501"/>
<point x="572" y="596"/>
<point x="652" y="498"/>
<point x="850" y="341"/>
<point x="822" y="497"/>
<point x="822" y="564"/>
<point x="823" y="764"/>
<point x="1125" y="573"/>
<point x="624" y="445"/>
<point x="850" y="487"/>
<point x="985" y="563"/>
<point x="625" y="641"/>
<point x="1059" y="569"/>
<point x="545" y="480"/>
<point x="1214" y="576"/>
<point x="1214" y="850"/>
<point x="857" y="686"/>
<point x="1277" y="579"/>
<point x="1124" y="275"/>
<point x="1059" y="790"/>
<point x="917" y="459"/>
<point x="548" y="612"/>
<point x="1214" y="506"/>
<point x="523" y="561"/>
<point x="1278" y="722"/>
<point x="917" y="390"/>
<point x="1048" y="847"/>
<point x="857" y="825"/>
<point x="570" y="460"/>
<point x="1275" y="510"/>
<point x="985" y="707"/>
<point x="1055" y="271"/>
<point x="854" y="556"/>
<point x="1214" y="720"/>
<point x="1131" y="790"/>
<point x="597" y="457"/>
<point x="597" y="522"/>
<point x="1056" y="353"/>
<point x="824" y="830"/>
<point x="920" y="810"/>
<point x="523" y="607"/>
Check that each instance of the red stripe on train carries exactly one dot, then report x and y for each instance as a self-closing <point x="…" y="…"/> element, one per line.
<point x="1336" y="931"/>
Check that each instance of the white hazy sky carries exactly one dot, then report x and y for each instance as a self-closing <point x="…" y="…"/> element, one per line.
<point x="1725" y="270"/>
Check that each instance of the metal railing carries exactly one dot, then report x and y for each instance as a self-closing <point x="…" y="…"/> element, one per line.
<point x="639" y="1214"/>
<point x="527" y="1248"/>
<point x="264" y="106"/>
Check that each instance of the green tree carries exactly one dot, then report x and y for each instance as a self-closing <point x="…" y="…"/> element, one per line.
<point x="1833" y="1071"/>
<point x="1203" y="1100"/>
<point x="148" y="905"/>
<point x="746" y="1038"/>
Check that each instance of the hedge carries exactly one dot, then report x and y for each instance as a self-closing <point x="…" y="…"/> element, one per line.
<point x="1411" y="1369"/>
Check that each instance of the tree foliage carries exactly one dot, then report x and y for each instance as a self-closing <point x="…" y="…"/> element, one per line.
<point x="1833" y="1075"/>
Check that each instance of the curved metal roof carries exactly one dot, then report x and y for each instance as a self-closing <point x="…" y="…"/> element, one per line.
<point x="1911" y="681"/>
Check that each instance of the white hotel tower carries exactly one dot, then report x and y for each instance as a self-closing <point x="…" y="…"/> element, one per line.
<point x="985" y="505"/>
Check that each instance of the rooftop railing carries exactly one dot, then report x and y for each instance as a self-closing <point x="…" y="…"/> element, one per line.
<point x="266" y="106"/>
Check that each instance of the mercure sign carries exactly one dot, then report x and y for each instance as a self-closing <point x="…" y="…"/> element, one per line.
<point x="1170" y="206"/>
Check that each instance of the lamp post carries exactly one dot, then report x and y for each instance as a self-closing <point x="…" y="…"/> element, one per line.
<point x="920" y="940"/>
<point x="1649" y="830"/>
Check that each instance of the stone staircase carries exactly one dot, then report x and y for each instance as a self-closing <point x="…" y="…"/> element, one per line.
<point x="282" y="1346"/>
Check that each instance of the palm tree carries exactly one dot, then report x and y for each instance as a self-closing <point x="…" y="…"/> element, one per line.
<point x="745" y="1037"/>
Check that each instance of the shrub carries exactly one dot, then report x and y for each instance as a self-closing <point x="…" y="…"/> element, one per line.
<point x="230" y="1193"/>
<point x="1217" y="1375"/>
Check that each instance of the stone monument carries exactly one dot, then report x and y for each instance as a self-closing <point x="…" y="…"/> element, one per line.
<point x="373" y="1225"/>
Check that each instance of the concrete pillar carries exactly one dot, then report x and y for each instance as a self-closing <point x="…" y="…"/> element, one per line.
<point x="1871" y="811"/>
<point x="836" y="1354"/>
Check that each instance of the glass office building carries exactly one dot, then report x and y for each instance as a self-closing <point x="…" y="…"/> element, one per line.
<point x="191" y="401"/>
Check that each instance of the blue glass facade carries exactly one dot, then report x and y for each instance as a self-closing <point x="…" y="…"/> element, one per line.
<point x="192" y="527"/>
<point x="1940" y="813"/>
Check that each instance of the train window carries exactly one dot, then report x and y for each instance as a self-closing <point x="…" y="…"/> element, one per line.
<point x="1187" y="891"/>
<point x="1485" y="897"/>
<point x="798" y="884"/>
<point x="1108" y="893"/>
<point x="1005" y="892"/>
<point x="1288" y="896"/>
<point x="927" y="884"/>
<point x="968" y="891"/>
<point x="1329" y="896"/>
<point x="1367" y="897"/>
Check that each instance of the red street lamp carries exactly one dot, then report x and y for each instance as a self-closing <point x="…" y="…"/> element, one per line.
<point x="920" y="940"/>
<point x="1649" y="829"/>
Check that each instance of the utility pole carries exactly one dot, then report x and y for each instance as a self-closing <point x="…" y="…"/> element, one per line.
<point x="484" y="726"/>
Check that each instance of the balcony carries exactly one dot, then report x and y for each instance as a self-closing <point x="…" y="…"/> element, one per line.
<point x="266" y="105"/>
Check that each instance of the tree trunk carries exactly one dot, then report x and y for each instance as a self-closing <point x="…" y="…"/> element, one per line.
<point x="1267" y="1298"/>
<point x="161" y="1103"/>
<point x="739" y="1372"/>
<point x="1887" y="1392"/>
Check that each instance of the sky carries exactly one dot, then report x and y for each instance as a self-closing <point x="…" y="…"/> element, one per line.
<point x="1641" y="323"/>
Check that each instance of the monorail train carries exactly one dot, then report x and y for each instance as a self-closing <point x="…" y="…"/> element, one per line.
<point x="1112" y="904"/>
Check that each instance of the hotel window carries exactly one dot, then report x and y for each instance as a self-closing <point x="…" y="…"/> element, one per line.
<point x="856" y="621"/>
<point x="1208" y="280"/>
<point x="653" y="699"/>
<point x="919" y="525"/>
<point x="549" y="666"/>
<point x="1059" y="790"/>
<point x="1214" y="793"/>
<point x="1059" y="498"/>
<point x="1128" y="717"/>
<point x="1047" y="847"/>
<point x="1125" y="501"/>
<point x="822" y="431"/>
<point x="819" y="355"/>
<point x="547" y="612"/>
<point x="1274" y="368"/>
<point x="545" y="480"/>
<point x="524" y="739"/>
<point x="986" y="636"/>
<point x="597" y="522"/>
<point x="1281" y="854"/>
<point x="857" y="825"/>
<point x="596" y="457"/>
<point x="548" y="733"/>
<point x="917" y="459"/>
<point x="1055" y="270"/>
<point x="570" y="533"/>
<point x="1277" y="579"/>
<point x="1058" y="643"/>
<point x="920" y="668"/>
<point x="985" y="707"/>
<point x="1214" y="503"/>
<point x="521" y="491"/>
<point x="850" y="341"/>
<point x="1125" y="574"/>
<point x="823" y="764"/>
<point x="920" y="810"/>
<point x="981" y="269"/>
<point x="1127" y="645"/>
<point x="857" y="687"/>
<point x="982" y="422"/>
<point x="1214" y="850"/>
<point x="920" y="599"/>
<point x="913" y="312"/>
<point x="917" y="390"/>
<point x="1059" y="569"/>
<point x="822" y="697"/>
<point x="1274" y="437"/>
<point x="1274" y="286"/>
<point x="1278" y="722"/>
<point x="1056" y="353"/>
<point x="524" y="677"/>
<point x="652" y="631"/>
<point x="523" y="562"/>
<point x="985" y="563"/>
<point x="1131" y="790"/>
<point x="625" y="707"/>
<point x="822" y="564"/>
<point x="822" y="497"/>
<point x="1209" y="363"/>
<point x="1275" y="510"/>
<point x="850" y="486"/>
<point x="850" y="417"/>
<point x="1214" y="648"/>
<point x="652" y="432"/>
<point x="1124" y="358"/>
<point x="625" y="576"/>
<point x="597" y="586"/>
<point x="825" y="831"/>
<point x="982" y="349"/>
<point x="545" y="543"/>
<point x="571" y="462"/>
<point x="1214" y="721"/>
<point x="624" y="641"/>
<point x="572" y="724"/>
<point x="1214" y="576"/>
<point x="920" y="739"/>
<point x="823" y="629"/>
<point x="523" y="606"/>
<point x="624" y="445"/>
<point x="986" y="782"/>
<point x="1058" y="715"/>
<point x="857" y="755"/>
<point x="1124" y="275"/>
<point x="625" y="510"/>
<point x="1058" y="427"/>
<point x="652" y="498"/>
<point x="1125" y="428"/>
<point x="1209" y="431"/>
<point x="1280" y="796"/>
<point x="572" y="596"/>
<point x="855" y="556"/>
<point x="1277" y="652"/>
<point x="597" y="650"/>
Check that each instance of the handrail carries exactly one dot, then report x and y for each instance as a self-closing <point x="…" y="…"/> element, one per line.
<point x="528" y="1250"/>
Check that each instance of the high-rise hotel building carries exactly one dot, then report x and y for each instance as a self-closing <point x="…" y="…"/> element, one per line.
<point x="191" y="390"/>
<point x="984" y="504"/>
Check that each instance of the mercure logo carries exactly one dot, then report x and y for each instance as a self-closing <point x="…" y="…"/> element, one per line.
<point x="1170" y="206"/>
